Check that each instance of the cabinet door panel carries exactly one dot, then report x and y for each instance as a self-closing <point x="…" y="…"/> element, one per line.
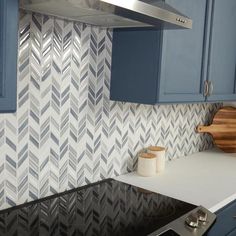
<point x="225" y="223"/>
<point x="1" y="52"/>
<point x="232" y="233"/>
<point x="183" y="56"/>
<point x="8" y="54"/>
<point x="134" y="65"/>
<point x="222" y="60"/>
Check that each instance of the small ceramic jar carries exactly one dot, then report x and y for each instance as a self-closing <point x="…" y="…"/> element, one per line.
<point x="159" y="152"/>
<point x="147" y="164"/>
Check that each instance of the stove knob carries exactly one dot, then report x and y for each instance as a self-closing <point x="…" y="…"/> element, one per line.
<point x="202" y="215"/>
<point x="192" y="220"/>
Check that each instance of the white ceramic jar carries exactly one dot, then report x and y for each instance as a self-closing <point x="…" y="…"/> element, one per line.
<point x="159" y="152"/>
<point x="147" y="164"/>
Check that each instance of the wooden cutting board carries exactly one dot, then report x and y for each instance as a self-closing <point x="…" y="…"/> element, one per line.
<point x="223" y="129"/>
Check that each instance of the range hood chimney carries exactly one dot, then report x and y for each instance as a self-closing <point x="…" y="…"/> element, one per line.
<point x="113" y="13"/>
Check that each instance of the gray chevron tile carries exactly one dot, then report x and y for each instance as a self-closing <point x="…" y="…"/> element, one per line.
<point x="66" y="131"/>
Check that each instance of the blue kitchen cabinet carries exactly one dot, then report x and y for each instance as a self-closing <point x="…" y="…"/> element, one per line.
<point x="135" y="65"/>
<point x="226" y="221"/>
<point x="8" y="54"/>
<point x="222" y="52"/>
<point x="154" y="66"/>
<point x="183" y="60"/>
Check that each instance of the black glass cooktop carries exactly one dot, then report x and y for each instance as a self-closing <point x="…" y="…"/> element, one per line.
<point x="105" y="208"/>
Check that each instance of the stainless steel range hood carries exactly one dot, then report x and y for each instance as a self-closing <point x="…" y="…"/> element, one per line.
<point x="113" y="13"/>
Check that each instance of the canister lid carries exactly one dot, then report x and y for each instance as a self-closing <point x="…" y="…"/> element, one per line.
<point x="156" y="148"/>
<point x="147" y="155"/>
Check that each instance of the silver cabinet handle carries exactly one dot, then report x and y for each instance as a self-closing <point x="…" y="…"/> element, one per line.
<point x="211" y="88"/>
<point x="206" y="88"/>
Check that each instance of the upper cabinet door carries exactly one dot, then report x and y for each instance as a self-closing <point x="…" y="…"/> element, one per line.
<point x="183" y="59"/>
<point x="8" y="54"/>
<point x="222" y="55"/>
<point x="135" y="55"/>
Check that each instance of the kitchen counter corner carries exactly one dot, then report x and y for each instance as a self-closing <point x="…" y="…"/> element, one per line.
<point x="206" y="178"/>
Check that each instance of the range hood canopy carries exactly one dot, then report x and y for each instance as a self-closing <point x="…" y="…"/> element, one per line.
<point x="113" y="13"/>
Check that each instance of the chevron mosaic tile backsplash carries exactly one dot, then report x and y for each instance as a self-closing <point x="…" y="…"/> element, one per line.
<point x="66" y="132"/>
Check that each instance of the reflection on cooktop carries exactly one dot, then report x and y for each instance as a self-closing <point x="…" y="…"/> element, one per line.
<point x="169" y="232"/>
<point x="106" y="208"/>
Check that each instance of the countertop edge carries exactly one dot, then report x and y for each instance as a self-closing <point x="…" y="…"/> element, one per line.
<point x="222" y="203"/>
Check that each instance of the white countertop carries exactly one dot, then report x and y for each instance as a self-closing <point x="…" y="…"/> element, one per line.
<point x="207" y="178"/>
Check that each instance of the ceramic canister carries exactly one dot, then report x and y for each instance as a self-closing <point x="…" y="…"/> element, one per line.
<point x="147" y="164"/>
<point x="160" y="157"/>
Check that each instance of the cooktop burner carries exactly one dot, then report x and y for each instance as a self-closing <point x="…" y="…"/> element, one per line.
<point x="106" y="208"/>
